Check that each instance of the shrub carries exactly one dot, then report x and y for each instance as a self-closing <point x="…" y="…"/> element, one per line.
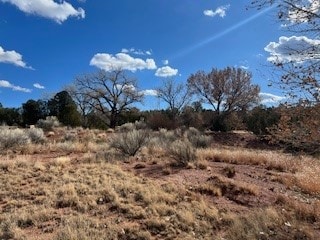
<point x="49" y="123"/>
<point x="11" y="138"/>
<point x="130" y="143"/>
<point x="182" y="151"/>
<point x="126" y="127"/>
<point x="36" y="135"/>
<point x="131" y="126"/>
<point x="197" y="139"/>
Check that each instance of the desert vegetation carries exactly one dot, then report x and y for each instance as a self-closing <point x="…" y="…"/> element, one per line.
<point x="134" y="183"/>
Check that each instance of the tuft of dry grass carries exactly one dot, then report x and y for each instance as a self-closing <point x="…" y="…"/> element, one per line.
<point x="270" y="160"/>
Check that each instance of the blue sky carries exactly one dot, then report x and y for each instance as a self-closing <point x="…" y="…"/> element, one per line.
<point x="45" y="44"/>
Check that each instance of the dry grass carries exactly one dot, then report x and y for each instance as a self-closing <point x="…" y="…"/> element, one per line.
<point x="304" y="169"/>
<point x="65" y="200"/>
<point x="83" y="193"/>
<point x="270" y="160"/>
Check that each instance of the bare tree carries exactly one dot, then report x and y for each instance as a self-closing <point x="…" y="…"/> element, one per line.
<point x="298" y="60"/>
<point x="175" y="95"/>
<point x="295" y="15"/>
<point x="109" y="93"/>
<point x="84" y="102"/>
<point x="225" y="90"/>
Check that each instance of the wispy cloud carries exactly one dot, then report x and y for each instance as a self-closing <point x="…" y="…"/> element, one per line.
<point x="166" y="72"/>
<point x="51" y="9"/>
<point x="269" y="98"/>
<point x="220" y="11"/>
<point x="38" y="85"/>
<point x="165" y="62"/>
<point x="12" y="57"/>
<point x="6" y="84"/>
<point x="109" y="62"/>
<point x="149" y="92"/>
<point x="136" y="51"/>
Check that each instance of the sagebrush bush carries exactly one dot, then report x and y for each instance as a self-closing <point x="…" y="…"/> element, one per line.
<point x="13" y="138"/>
<point x="131" y="142"/>
<point x="126" y="127"/>
<point x="49" y="123"/>
<point x="197" y="138"/>
<point x="131" y="126"/>
<point x="36" y="135"/>
<point x="166" y="136"/>
<point x="182" y="151"/>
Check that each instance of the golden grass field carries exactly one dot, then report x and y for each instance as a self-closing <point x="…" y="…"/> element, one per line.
<point x="74" y="185"/>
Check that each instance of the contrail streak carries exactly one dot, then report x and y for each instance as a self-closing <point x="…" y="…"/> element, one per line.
<point x="221" y="34"/>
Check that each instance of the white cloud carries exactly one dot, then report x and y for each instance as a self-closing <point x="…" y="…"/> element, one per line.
<point x="58" y="12"/>
<point x="269" y="98"/>
<point x="6" y="84"/>
<point x="109" y="62"/>
<point x="149" y="92"/>
<point x="244" y="67"/>
<point x="301" y="14"/>
<point x="166" y="72"/>
<point x="220" y="11"/>
<point x="165" y="62"/>
<point x="12" y="57"/>
<point x="293" y="49"/>
<point x="136" y="51"/>
<point x="38" y="85"/>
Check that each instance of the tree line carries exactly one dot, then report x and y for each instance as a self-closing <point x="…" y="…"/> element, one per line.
<point x="106" y="99"/>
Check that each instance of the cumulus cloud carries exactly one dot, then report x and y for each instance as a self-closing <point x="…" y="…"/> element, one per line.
<point x="12" y="57"/>
<point x="51" y="9"/>
<point x="293" y="49"/>
<point x="269" y="98"/>
<point x="220" y="11"/>
<point x="6" y="84"/>
<point x="149" y="92"/>
<point x="109" y="62"/>
<point x="136" y="51"/>
<point x="166" y="72"/>
<point x="38" y="85"/>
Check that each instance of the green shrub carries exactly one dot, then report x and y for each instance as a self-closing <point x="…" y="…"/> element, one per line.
<point x="131" y="142"/>
<point x="182" y="151"/>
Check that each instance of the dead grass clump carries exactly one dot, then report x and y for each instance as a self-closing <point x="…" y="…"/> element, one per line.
<point x="67" y="196"/>
<point x="129" y="143"/>
<point x="260" y="224"/>
<point x="229" y="171"/>
<point x="308" y="177"/>
<point x="209" y="189"/>
<point x="232" y="188"/>
<point x="269" y="160"/>
<point x="308" y="212"/>
<point x="156" y="226"/>
<point x="79" y="227"/>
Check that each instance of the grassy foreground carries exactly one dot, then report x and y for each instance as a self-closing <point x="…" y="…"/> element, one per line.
<point x="80" y="189"/>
